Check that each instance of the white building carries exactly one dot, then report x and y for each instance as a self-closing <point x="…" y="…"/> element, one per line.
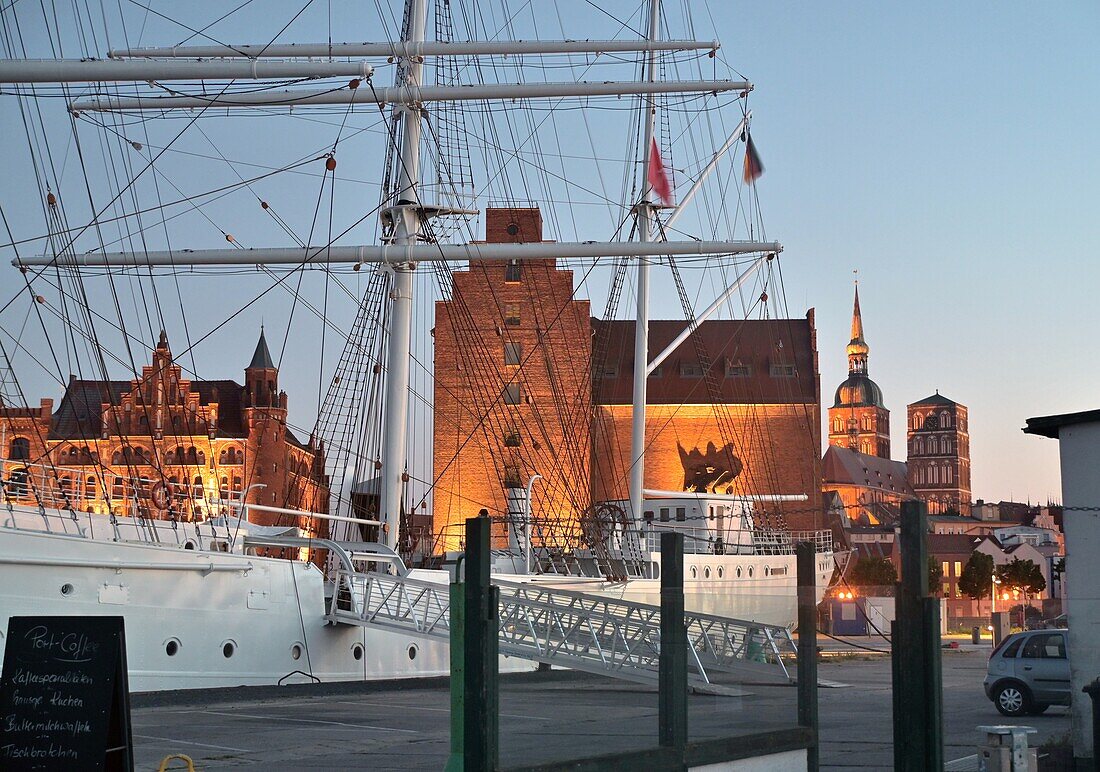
<point x="1078" y="436"/>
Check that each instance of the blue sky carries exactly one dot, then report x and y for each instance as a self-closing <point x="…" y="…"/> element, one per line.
<point x="945" y="150"/>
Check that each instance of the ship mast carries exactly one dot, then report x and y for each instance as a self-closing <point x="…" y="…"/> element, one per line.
<point x="641" y="324"/>
<point x="408" y="222"/>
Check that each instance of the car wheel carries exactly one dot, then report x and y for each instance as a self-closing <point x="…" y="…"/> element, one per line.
<point x="1038" y="710"/>
<point x="1012" y="699"/>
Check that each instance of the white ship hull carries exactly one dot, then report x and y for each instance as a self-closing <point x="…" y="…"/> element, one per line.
<point x="198" y="619"/>
<point x="755" y="588"/>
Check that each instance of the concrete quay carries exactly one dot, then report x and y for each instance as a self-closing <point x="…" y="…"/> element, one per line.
<point x="544" y="716"/>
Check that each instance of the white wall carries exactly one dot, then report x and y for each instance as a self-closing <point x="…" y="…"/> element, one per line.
<point x="1079" y="447"/>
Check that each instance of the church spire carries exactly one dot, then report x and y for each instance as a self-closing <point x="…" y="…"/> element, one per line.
<point x="857" y="346"/>
<point x="261" y="358"/>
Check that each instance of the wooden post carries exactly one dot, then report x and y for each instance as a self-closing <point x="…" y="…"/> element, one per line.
<point x="481" y="710"/>
<point x="672" y="677"/>
<point x="915" y="653"/>
<point x="807" y="646"/>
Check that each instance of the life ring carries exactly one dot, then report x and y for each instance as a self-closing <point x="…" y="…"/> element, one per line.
<point x="159" y="495"/>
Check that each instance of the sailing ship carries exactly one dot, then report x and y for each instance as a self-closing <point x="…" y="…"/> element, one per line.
<point x="220" y="585"/>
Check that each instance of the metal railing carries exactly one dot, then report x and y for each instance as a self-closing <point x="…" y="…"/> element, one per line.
<point x="577" y="630"/>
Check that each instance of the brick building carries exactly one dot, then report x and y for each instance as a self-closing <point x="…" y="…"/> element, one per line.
<point x="858" y="419"/>
<point x="517" y="393"/>
<point x="736" y="410"/>
<point x="939" y="453"/>
<point x="512" y="385"/>
<point x="163" y="445"/>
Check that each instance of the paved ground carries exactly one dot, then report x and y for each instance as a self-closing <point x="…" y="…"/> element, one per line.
<point x="544" y="716"/>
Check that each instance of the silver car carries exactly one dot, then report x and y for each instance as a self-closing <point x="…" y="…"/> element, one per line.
<point x="1029" y="672"/>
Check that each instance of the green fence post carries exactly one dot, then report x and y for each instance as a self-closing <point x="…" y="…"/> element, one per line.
<point x="672" y="676"/>
<point x="458" y="668"/>
<point x="915" y="651"/>
<point x="807" y="646"/>
<point x="481" y="713"/>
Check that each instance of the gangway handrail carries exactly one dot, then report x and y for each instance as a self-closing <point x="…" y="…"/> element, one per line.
<point x="582" y="631"/>
<point x="378" y="552"/>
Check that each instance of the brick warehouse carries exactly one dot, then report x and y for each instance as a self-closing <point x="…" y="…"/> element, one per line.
<point x="515" y="396"/>
<point x="167" y="444"/>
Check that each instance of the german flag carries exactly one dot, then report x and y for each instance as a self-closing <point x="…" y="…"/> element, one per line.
<point x="753" y="166"/>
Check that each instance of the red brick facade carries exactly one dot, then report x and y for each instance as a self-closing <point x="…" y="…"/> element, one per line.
<point x="939" y="453"/>
<point x="574" y="429"/>
<point x="512" y="385"/>
<point x="163" y="445"/>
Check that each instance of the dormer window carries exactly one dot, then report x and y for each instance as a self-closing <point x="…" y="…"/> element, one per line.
<point x="783" y="371"/>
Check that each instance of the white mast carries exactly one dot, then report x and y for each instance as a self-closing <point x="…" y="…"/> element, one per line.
<point x="408" y="221"/>
<point x="641" y="324"/>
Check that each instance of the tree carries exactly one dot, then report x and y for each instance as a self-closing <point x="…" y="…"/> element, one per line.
<point x="1023" y="576"/>
<point x="976" y="580"/>
<point x="873" y="572"/>
<point x="935" y="574"/>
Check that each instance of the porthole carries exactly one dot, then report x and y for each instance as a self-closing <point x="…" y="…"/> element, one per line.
<point x="738" y="572"/>
<point x="412" y="651"/>
<point x="229" y="648"/>
<point x="67" y="589"/>
<point x="720" y="572"/>
<point x="706" y="572"/>
<point x="172" y="647"/>
<point x="750" y="572"/>
<point x="694" y="572"/>
<point x="767" y="571"/>
<point x="357" y="652"/>
<point x="296" y="651"/>
<point x="656" y="570"/>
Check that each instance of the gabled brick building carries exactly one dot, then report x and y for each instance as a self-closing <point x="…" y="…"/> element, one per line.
<point x="163" y="445"/>
<point x="526" y="383"/>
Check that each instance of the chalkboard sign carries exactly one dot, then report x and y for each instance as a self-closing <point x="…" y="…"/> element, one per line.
<point x="64" y="697"/>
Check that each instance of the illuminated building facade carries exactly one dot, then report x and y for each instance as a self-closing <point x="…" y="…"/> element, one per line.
<point x="526" y="383"/>
<point x="858" y="419"/>
<point x="163" y="446"/>
<point x="939" y="453"/>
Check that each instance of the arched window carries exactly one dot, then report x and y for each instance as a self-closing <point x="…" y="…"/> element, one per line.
<point x="118" y="492"/>
<point x="947" y="474"/>
<point x="237" y="485"/>
<point x="916" y="420"/>
<point x="17" y="480"/>
<point x="20" y="449"/>
<point x="90" y="487"/>
<point x="196" y="487"/>
<point x="945" y="419"/>
<point x="202" y="457"/>
<point x="66" y="485"/>
<point x="116" y="458"/>
<point x="224" y="492"/>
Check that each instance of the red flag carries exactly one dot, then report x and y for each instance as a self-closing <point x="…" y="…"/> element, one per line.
<point x="753" y="166"/>
<point x="658" y="175"/>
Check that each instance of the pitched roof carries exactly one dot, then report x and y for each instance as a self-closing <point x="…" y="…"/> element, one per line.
<point x="935" y="399"/>
<point x="751" y="348"/>
<point x="261" y="357"/>
<point x="79" y="415"/>
<point x="843" y="466"/>
<point x="952" y="543"/>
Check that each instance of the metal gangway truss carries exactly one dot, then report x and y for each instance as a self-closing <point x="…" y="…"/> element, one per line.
<point x="570" y="629"/>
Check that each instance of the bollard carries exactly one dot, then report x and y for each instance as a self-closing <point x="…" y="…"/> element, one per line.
<point x="1006" y="749"/>
<point x="976" y="635"/>
<point x="1093" y="691"/>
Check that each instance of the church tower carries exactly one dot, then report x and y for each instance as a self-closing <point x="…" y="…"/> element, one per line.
<point x="264" y="410"/>
<point x="858" y="419"/>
